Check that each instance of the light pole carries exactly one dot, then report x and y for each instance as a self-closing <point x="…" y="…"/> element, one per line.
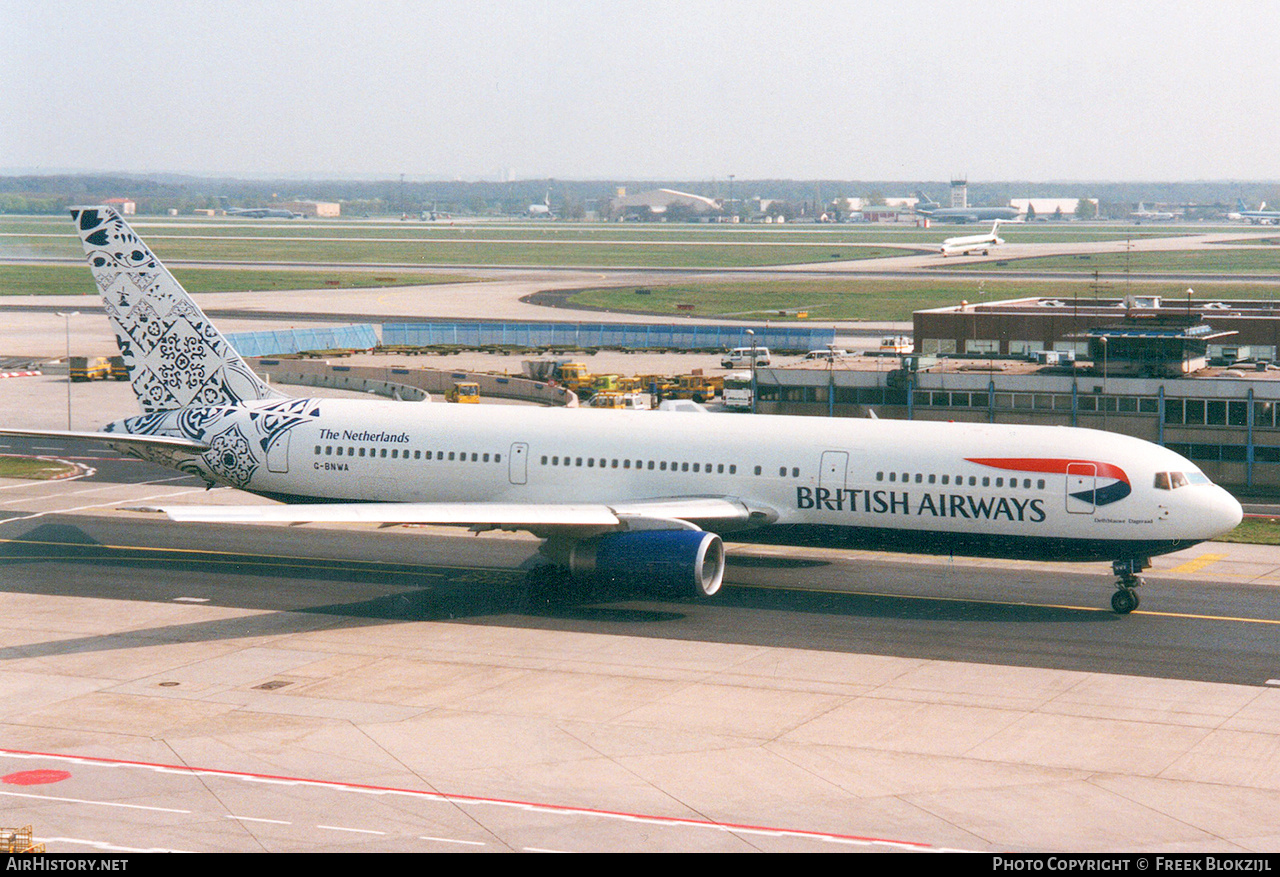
<point x="754" y="388"/>
<point x="831" y="380"/>
<point x="66" y="318"/>
<point x="1103" y="400"/>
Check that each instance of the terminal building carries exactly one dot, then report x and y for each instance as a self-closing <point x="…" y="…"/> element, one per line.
<point x="1199" y="380"/>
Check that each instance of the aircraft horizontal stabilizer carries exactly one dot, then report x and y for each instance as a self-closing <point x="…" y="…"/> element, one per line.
<point x="119" y="440"/>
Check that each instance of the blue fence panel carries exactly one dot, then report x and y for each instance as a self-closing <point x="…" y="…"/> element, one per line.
<point x="363" y="337"/>
<point x="676" y="336"/>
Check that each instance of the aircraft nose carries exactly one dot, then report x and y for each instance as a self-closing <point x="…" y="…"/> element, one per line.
<point x="1224" y="513"/>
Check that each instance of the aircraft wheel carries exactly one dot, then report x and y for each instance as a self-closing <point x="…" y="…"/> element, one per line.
<point x="1124" y="601"/>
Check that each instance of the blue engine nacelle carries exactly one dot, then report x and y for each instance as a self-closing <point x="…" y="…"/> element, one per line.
<point x="689" y="562"/>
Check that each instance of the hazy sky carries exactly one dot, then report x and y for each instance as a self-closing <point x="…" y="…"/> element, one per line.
<point x="610" y="89"/>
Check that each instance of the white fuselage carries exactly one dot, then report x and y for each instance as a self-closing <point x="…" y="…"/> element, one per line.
<point x="1086" y="492"/>
<point x="979" y="243"/>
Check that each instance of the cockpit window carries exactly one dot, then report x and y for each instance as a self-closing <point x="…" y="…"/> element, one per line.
<point x="1174" y="480"/>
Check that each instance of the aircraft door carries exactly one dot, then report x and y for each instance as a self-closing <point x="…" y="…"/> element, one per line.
<point x="518" y="463"/>
<point x="834" y="471"/>
<point x="1081" y="483"/>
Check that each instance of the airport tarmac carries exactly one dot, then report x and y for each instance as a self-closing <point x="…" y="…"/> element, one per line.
<point x="316" y="689"/>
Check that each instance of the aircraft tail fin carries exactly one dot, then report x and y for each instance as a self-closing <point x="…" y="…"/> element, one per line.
<point x="175" y="357"/>
<point x="924" y="202"/>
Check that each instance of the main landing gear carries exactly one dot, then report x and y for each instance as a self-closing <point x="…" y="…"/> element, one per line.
<point x="1125" y="599"/>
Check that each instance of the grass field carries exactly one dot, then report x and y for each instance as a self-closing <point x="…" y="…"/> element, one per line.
<point x="1210" y="260"/>
<point x="73" y="280"/>
<point x="655" y="245"/>
<point x="1255" y="531"/>
<point x="33" y="468"/>
<point x="863" y="298"/>
<point x="602" y="253"/>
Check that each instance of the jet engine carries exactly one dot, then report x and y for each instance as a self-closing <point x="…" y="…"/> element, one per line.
<point x="687" y="562"/>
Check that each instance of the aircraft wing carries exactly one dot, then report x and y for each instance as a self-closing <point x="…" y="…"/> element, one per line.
<point x="540" y="518"/>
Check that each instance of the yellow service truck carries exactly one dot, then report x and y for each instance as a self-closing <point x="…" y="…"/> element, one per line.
<point x="88" y="368"/>
<point x="463" y="391"/>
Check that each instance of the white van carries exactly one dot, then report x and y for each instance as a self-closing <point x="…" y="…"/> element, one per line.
<point x="740" y="356"/>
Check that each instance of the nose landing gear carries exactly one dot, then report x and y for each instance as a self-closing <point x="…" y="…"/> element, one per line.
<point x="1125" y="599"/>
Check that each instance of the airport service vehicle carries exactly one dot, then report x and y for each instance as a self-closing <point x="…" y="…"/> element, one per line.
<point x="698" y="387"/>
<point x="618" y="401"/>
<point x="88" y="368"/>
<point x="467" y="392"/>
<point x="740" y="356"/>
<point x="896" y="344"/>
<point x="976" y="243"/>
<point x="829" y="354"/>
<point x="737" y="391"/>
<point x="628" y="496"/>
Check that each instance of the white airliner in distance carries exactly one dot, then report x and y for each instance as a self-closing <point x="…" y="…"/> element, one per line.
<point x="974" y="243"/>
<point x="626" y="496"/>
<point x="1261" y="216"/>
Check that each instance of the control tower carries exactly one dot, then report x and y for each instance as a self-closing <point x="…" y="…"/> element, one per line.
<point x="959" y="193"/>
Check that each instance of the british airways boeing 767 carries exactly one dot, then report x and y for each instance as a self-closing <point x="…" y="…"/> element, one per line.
<point x="629" y="495"/>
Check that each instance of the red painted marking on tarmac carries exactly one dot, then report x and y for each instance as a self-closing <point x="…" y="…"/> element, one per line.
<point x="475" y="799"/>
<point x="35" y="777"/>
